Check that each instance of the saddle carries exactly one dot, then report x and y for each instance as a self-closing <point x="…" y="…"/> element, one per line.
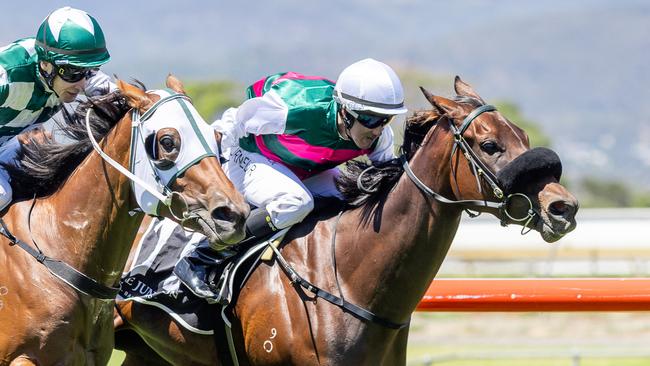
<point x="152" y="277"/>
<point x="211" y="275"/>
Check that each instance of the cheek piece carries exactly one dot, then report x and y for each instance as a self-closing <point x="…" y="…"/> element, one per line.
<point x="528" y="167"/>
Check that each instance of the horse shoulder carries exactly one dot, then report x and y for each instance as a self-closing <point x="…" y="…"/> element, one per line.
<point x="277" y="317"/>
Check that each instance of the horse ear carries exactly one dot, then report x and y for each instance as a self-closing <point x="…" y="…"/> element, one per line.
<point x="443" y="105"/>
<point x="174" y="84"/>
<point x="135" y="97"/>
<point x="464" y="89"/>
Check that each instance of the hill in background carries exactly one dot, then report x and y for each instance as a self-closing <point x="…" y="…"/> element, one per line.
<point x="579" y="69"/>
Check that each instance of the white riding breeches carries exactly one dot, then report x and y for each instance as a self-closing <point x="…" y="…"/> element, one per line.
<point x="268" y="184"/>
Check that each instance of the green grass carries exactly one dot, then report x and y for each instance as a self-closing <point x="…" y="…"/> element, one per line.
<point x="542" y="362"/>
<point x="419" y="355"/>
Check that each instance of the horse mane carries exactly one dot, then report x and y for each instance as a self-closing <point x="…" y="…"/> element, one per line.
<point x="367" y="186"/>
<point x="44" y="164"/>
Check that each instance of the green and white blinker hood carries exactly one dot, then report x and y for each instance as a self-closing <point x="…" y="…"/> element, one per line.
<point x="197" y="142"/>
<point x="151" y="183"/>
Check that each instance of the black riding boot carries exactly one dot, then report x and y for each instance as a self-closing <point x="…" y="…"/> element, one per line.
<point x="258" y="225"/>
<point x="198" y="270"/>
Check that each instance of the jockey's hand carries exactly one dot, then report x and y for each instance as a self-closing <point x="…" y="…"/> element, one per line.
<point x="39" y="135"/>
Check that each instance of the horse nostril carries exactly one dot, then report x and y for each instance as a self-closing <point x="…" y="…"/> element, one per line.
<point x="560" y="208"/>
<point x="224" y="213"/>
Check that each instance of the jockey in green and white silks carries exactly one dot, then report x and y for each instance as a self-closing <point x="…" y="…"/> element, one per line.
<point x="38" y="75"/>
<point x="285" y="142"/>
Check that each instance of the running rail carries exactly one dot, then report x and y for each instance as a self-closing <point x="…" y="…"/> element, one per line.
<point x="537" y="295"/>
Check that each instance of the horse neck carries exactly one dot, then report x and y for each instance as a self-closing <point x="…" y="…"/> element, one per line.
<point x="396" y="264"/>
<point x="89" y="214"/>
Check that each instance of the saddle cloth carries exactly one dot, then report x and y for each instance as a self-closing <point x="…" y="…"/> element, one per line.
<point x="150" y="279"/>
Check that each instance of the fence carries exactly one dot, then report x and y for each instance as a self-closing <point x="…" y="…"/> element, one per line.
<point x="537" y="294"/>
<point x="605" y="243"/>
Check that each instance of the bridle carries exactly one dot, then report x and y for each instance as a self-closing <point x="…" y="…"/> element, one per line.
<point x="80" y="281"/>
<point x="151" y="182"/>
<point x="481" y="171"/>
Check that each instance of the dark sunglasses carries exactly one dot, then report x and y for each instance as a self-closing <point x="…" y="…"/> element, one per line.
<point x="72" y="74"/>
<point x="371" y="121"/>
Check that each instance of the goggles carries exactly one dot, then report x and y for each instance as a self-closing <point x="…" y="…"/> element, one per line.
<point x="72" y="74"/>
<point x="371" y="121"/>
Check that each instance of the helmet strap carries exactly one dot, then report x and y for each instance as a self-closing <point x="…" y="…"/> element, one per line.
<point x="347" y="124"/>
<point x="346" y="121"/>
<point x="49" y="77"/>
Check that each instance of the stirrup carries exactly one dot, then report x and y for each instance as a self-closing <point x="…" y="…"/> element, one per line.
<point x="197" y="271"/>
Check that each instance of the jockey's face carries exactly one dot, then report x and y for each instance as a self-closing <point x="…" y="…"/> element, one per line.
<point x="67" y="91"/>
<point x="364" y="133"/>
<point x="364" y="137"/>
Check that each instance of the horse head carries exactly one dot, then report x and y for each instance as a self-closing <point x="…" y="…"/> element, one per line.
<point x="491" y="161"/>
<point x="173" y="145"/>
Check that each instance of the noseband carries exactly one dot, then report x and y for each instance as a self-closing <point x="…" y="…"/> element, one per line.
<point x="481" y="171"/>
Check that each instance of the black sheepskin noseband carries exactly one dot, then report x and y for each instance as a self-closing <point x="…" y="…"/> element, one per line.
<point x="529" y="167"/>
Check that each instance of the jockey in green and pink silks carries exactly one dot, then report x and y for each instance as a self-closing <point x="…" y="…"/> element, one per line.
<point x="286" y="141"/>
<point x="284" y="145"/>
<point x="38" y="75"/>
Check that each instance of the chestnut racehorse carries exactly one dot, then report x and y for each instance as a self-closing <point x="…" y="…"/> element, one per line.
<point x="461" y="154"/>
<point x="85" y="216"/>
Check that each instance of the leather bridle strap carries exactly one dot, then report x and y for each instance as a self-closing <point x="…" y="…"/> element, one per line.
<point x="62" y="270"/>
<point x="478" y="167"/>
<point x="440" y="198"/>
<point x="333" y="299"/>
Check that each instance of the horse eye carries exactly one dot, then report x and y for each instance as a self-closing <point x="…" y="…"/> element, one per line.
<point x="490" y="147"/>
<point x="167" y="143"/>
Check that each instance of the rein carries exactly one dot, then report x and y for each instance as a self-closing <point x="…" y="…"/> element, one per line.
<point x="66" y="273"/>
<point x="339" y="301"/>
<point x="480" y="170"/>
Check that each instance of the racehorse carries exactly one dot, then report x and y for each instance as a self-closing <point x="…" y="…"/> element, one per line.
<point x="84" y="216"/>
<point x="381" y="255"/>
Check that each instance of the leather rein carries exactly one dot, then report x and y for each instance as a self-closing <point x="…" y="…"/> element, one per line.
<point x="480" y="171"/>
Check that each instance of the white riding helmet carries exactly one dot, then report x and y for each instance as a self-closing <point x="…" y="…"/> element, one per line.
<point x="370" y="85"/>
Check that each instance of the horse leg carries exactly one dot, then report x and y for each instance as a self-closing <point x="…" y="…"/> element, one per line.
<point x="397" y="353"/>
<point x="137" y="351"/>
<point x="127" y="340"/>
<point x="162" y="335"/>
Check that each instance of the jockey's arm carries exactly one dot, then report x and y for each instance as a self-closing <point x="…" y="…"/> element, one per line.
<point x="258" y="116"/>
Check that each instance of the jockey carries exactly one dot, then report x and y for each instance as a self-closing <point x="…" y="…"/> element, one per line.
<point x="289" y="137"/>
<point x="285" y="142"/>
<point x="38" y="75"/>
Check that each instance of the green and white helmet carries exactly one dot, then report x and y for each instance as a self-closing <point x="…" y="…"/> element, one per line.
<point x="70" y="36"/>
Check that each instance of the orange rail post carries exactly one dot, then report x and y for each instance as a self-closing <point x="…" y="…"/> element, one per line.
<point x="537" y="295"/>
